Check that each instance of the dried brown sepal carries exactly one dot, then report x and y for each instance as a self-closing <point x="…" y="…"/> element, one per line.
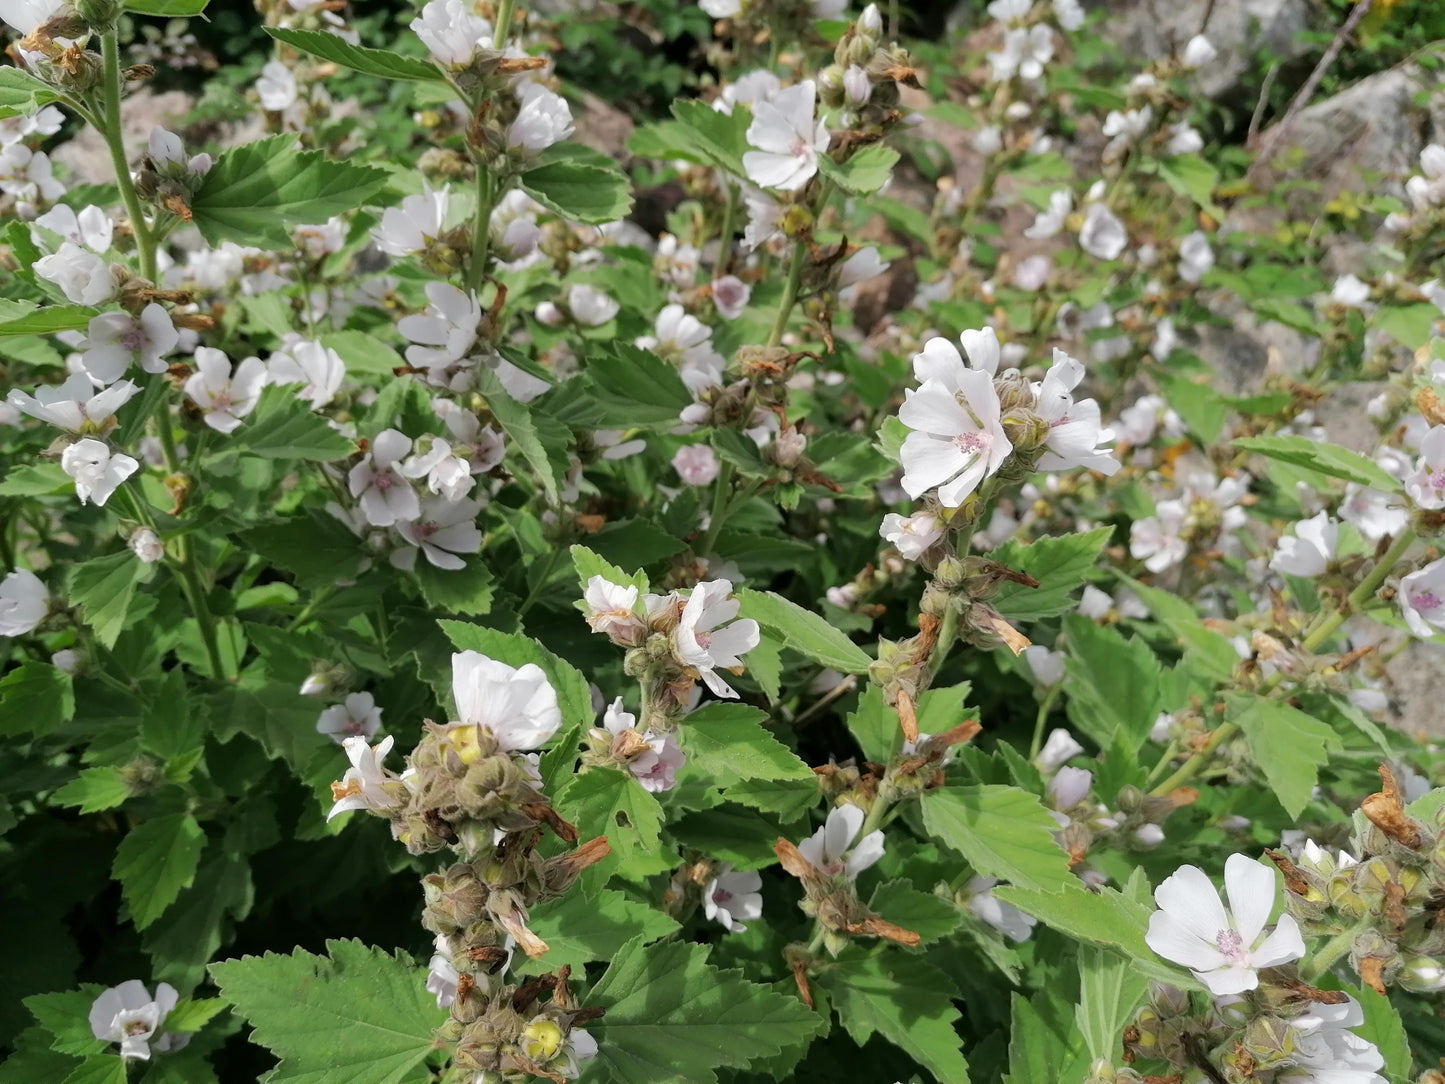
<point x="792" y="860"/>
<point x="515" y="923"/>
<point x="800" y="976"/>
<point x="875" y="926"/>
<point x="963" y="732"/>
<point x="465" y="982"/>
<point x="178" y="207"/>
<point x="588" y="1014"/>
<point x="490" y="956"/>
<point x="543" y="813"/>
<point x="589" y="524"/>
<point x="520" y="1061"/>
<point x="1386" y="810"/>
<point x="193" y="321"/>
<point x="530" y="991"/>
<point x="907" y="715"/>
<point x="1394" y="912"/>
<point x="1372" y="970"/>
<point x="1428" y="403"/>
<point x="589" y="854"/>
<point x="439" y="825"/>
<point x="1294" y="880"/>
<point x="1012" y="638"/>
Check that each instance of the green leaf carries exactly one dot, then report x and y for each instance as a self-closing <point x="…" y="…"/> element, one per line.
<point x="1060" y="564"/>
<point x="787" y="799"/>
<point x="466" y="590"/>
<point x="196" y="924"/>
<point x="517" y="422"/>
<point x="1411" y="326"/>
<point x="1004" y="832"/>
<point x="1192" y="176"/>
<point x="727" y="743"/>
<point x="1203" y="409"/>
<point x="1386" y="1030"/>
<point x="804" y="631"/>
<point x="368" y="1018"/>
<point x="718" y="138"/>
<point x="30" y="318"/>
<point x="167" y="9"/>
<point x="605" y="802"/>
<point x="35" y="698"/>
<point x="906" y="1000"/>
<point x="589" y="564"/>
<point x="1288" y="746"/>
<point x="1207" y="651"/>
<point x="579" y="930"/>
<point x="378" y="62"/>
<point x="582" y="193"/>
<point x="639" y="380"/>
<point x="283" y="427"/>
<point x="191" y="1016"/>
<point x="875" y="726"/>
<point x="36" y="480"/>
<point x="64" y="1014"/>
<point x="635" y="541"/>
<point x="316" y="548"/>
<point x="22" y="93"/>
<point x="102" y="588"/>
<point x="673" y="1018"/>
<point x="864" y="173"/>
<point x="1110" y="990"/>
<point x="255" y="192"/>
<point x="922" y="912"/>
<point x="361" y="352"/>
<point x="1113" y="683"/>
<point x="1036" y="1050"/>
<point x="93" y="790"/>
<point x="98" y="1069"/>
<point x="1321" y="458"/>
<point x="155" y="861"/>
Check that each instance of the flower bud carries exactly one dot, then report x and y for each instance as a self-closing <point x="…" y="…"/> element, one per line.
<point x="830" y="86"/>
<point x="99" y="15"/>
<point x="1269" y="1040"/>
<point x="1422" y="975"/>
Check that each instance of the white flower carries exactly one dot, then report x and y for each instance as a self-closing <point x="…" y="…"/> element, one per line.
<point x="147" y="546"/>
<point x="318" y="368"/>
<point x="27" y="16"/>
<point x="366" y="784"/>
<point x="1422" y="599"/>
<point x="1224" y="949"/>
<point x="589" y="306"/>
<point x="168" y="155"/>
<point x="1059" y="747"/>
<point x="1126" y="126"/>
<point x="1010" y="11"/>
<point x="91" y="228"/>
<point x="611" y="609"/>
<point x="696" y="464"/>
<point x="1004" y="917"/>
<point x="415" y="225"/>
<point x="96" y="469"/>
<point x="127" y="1014"/>
<point x="705" y="639"/>
<point x="225" y="396"/>
<point x="448" y="330"/>
<point x="74" y="406"/>
<point x="442" y="529"/>
<point x="1326" y="1051"/>
<point x="1156" y="540"/>
<point x="1068" y="14"/>
<point x="764" y="218"/>
<point x="1426" y="486"/>
<point x="1074" y="430"/>
<point x="1031" y="274"/>
<point x="516" y="705"/>
<point x="1047" y="667"/>
<point x="732" y="896"/>
<point x="1102" y="235"/>
<point x="544" y="119"/>
<point x="452" y="32"/>
<point x="24" y="602"/>
<point x="1374" y="514"/>
<point x="1350" y="291"/>
<point x="1024" y="53"/>
<point x="788" y="139"/>
<point x="358" y="716"/>
<point x="1050" y="222"/>
<point x="912" y="535"/>
<point x="1196" y="256"/>
<point x="828" y="849"/>
<point x="721" y="9"/>
<point x="857" y="87"/>
<point x="448" y="475"/>
<point x="1184" y="138"/>
<point x="957" y="440"/>
<point x="83" y="277"/>
<point x="27" y="175"/>
<point x="1312" y="548"/>
<point x="442" y="977"/>
<point x="116" y="339"/>
<point x="276" y="87"/>
<point x="861" y="266"/>
<point x="1199" y="53"/>
<point x="656" y="767"/>
<point x="731" y="295"/>
<point x="385" y="494"/>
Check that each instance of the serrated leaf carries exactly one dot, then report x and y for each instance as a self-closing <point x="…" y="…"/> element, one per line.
<point x="1110" y="989"/>
<point x="255" y="192"/>
<point x="582" y="193"/>
<point x="98" y="1069"/>
<point x="864" y="173"/>
<point x="906" y="1000"/>
<point x="1323" y="458"/>
<point x="155" y="861"/>
<point x="283" y="427"/>
<point x="788" y="800"/>
<point x="635" y="540"/>
<point x="316" y="548"/>
<point x="466" y="590"/>
<point x="640" y="380"/>
<point x="804" y="631"/>
<point x="1192" y="176"/>
<point x="717" y="138"/>
<point x="606" y="802"/>
<point x="673" y="1018"/>
<point x="588" y="564"/>
<point x="522" y="431"/>
<point x="579" y="930"/>
<point x="922" y="912"/>
<point x="1004" y="832"/>
<point x="196" y="924"/>
<point x="875" y="726"/>
<point x="103" y="587"/>
<point x="361" y="352"/>
<point x="35" y="698"/>
<point x="368" y="1018"/>
<point x="22" y="93"/>
<point x="1113" y="683"/>
<point x="379" y="62"/>
<point x="36" y="480"/>
<point x="65" y="1015"/>
<point x="1287" y="745"/>
<point x="1061" y="565"/>
<point x="1036" y="1050"/>
<point x="728" y="744"/>
<point x="30" y="318"/>
<point x="167" y="9"/>
<point x="1386" y="1030"/>
<point x="191" y="1016"/>
<point x="93" y="790"/>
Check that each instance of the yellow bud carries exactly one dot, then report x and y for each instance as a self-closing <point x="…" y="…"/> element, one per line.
<point x="541" y="1040"/>
<point x="466" y="741"/>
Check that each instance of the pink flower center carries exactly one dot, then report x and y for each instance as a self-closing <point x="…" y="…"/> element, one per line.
<point x="722" y="895"/>
<point x="1425" y="600"/>
<point x="133" y="339"/>
<point x="973" y="443"/>
<point x="1231" y="944"/>
<point x="384" y="480"/>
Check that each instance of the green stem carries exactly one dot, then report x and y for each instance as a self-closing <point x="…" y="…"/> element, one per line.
<point x="725" y="234"/>
<point x="549" y="565"/>
<point x="195" y="592"/>
<point x="502" y="25"/>
<point x="721" y="499"/>
<point x="1045" y="706"/>
<point x="790" y="293"/>
<point x="482" y="230"/>
<point x="1321" y="629"/>
<point x="1325" y="958"/>
<point x="111" y="131"/>
<point x="947" y="634"/>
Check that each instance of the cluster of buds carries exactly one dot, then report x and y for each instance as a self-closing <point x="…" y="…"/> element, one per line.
<point x="1390" y="895"/>
<point x="673" y="641"/>
<point x="864" y="77"/>
<point x="168" y="176"/>
<point x="1136" y="822"/>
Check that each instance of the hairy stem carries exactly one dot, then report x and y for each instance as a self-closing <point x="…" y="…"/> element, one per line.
<point x="790" y="293"/>
<point x="1324" y="958"/>
<point x="145" y="244"/>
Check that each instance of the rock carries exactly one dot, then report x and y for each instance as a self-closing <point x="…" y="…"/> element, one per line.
<point x="1150" y="29"/>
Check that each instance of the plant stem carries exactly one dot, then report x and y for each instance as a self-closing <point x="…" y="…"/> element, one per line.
<point x="725" y="234"/>
<point x="482" y="229"/>
<point x="111" y="131"/>
<point x="1321" y="629"/>
<point x="1325" y="958"/>
<point x="502" y="26"/>
<point x="195" y="592"/>
<point x="549" y="565"/>
<point x="790" y="293"/>
<point x="1045" y="706"/>
<point x="721" y="505"/>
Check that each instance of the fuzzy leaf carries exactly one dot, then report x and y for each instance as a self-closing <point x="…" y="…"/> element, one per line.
<point x="155" y="861"/>
<point x="579" y="930"/>
<point x="1113" y="683"/>
<point x="1323" y="458"/>
<point x="94" y="789"/>
<point x="1061" y="565"/>
<point x="922" y="912"/>
<point x="804" y="631"/>
<point x="22" y="93"/>
<point x="521" y="429"/>
<point x="282" y="427"/>
<point x="582" y="193"/>
<point x="29" y="318"/>
<point x="103" y="588"/>
<point x="864" y="173"/>
<point x="1288" y="746"/>
<point x="1110" y="990"/>
<point x="35" y="697"/>
<point x="1004" y="832"/>
<point x="728" y="744"/>
<point x="378" y="62"/>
